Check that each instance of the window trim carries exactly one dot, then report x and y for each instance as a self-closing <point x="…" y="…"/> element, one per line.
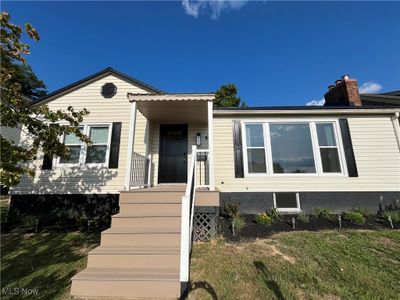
<point x="288" y="209"/>
<point x="84" y="147"/>
<point x="315" y="146"/>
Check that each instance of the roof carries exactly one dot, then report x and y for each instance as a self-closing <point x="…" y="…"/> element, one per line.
<point x="305" y="110"/>
<point x="94" y="77"/>
<point x="385" y="99"/>
<point x="171" y="97"/>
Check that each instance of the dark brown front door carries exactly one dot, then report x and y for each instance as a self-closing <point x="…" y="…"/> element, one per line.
<point x="173" y="154"/>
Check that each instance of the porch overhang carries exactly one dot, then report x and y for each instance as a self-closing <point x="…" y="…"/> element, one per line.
<point x="173" y="108"/>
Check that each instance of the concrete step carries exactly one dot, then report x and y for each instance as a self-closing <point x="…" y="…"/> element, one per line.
<point x="150" y="208"/>
<point x="159" y="236"/>
<point x="146" y="196"/>
<point x="127" y="282"/>
<point x="134" y="220"/>
<point x="134" y="257"/>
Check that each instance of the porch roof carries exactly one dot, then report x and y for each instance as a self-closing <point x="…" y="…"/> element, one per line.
<point x="173" y="108"/>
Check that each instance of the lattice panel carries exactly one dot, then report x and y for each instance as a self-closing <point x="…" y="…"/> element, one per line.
<point x="205" y="227"/>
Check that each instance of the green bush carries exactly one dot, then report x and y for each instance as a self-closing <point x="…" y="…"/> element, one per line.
<point x="231" y="209"/>
<point x="364" y="211"/>
<point x="274" y="215"/>
<point x="354" y="217"/>
<point x="264" y="219"/>
<point x="323" y="214"/>
<point x="303" y="218"/>
<point x="238" y="223"/>
<point x="395" y="216"/>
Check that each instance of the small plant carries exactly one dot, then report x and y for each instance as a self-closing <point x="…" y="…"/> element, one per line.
<point x="264" y="219"/>
<point x="354" y="217"/>
<point x="238" y="224"/>
<point x="303" y="218"/>
<point x="231" y="209"/>
<point x="395" y="216"/>
<point x="274" y="215"/>
<point x="364" y="211"/>
<point x="323" y="214"/>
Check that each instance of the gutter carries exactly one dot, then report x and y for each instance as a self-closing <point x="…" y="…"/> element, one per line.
<point x="283" y="111"/>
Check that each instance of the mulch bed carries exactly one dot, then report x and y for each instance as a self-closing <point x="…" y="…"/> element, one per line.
<point x="252" y="230"/>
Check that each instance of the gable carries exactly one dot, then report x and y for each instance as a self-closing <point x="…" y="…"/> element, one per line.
<point x="140" y="86"/>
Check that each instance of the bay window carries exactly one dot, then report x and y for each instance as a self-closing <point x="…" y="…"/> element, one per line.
<point x="80" y="153"/>
<point x="292" y="147"/>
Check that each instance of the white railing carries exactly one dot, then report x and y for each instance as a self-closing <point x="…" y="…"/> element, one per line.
<point x="140" y="171"/>
<point x="197" y="177"/>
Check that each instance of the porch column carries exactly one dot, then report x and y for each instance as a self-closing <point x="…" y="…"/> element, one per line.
<point x="211" y="143"/>
<point x="131" y="138"/>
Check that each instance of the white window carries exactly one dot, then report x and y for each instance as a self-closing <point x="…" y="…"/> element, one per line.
<point x="80" y="153"/>
<point x="328" y="148"/>
<point x="287" y="202"/>
<point x="255" y="146"/>
<point x="292" y="147"/>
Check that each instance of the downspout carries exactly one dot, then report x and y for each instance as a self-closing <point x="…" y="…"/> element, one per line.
<point x="396" y="127"/>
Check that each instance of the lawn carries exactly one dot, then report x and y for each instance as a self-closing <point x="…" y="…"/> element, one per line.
<point x="44" y="261"/>
<point x="346" y="264"/>
<point x="331" y="264"/>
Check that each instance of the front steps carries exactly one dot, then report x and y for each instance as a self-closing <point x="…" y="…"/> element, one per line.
<point x="139" y="256"/>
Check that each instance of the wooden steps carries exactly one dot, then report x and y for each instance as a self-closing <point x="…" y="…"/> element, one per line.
<point x="139" y="256"/>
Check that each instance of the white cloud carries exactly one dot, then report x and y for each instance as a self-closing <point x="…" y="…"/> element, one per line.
<point x="369" y="87"/>
<point x="319" y="102"/>
<point x="195" y="7"/>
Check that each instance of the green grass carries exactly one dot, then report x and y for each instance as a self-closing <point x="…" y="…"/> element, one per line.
<point x="3" y="208"/>
<point x="45" y="261"/>
<point x="300" y="265"/>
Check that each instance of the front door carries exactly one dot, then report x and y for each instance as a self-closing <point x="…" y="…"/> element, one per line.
<point x="173" y="154"/>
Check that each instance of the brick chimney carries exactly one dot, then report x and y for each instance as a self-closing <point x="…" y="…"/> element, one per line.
<point x="343" y="93"/>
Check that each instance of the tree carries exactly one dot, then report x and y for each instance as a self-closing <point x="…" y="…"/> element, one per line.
<point x="226" y="96"/>
<point x="38" y="123"/>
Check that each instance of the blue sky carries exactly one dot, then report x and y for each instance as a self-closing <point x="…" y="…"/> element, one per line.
<point x="277" y="53"/>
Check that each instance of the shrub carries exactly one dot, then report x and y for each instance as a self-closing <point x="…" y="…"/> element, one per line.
<point x="364" y="211"/>
<point x="354" y="217"/>
<point x="238" y="223"/>
<point x="303" y="218"/>
<point x="231" y="209"/>
<point x="263" y="219"/>
<point x="323" y="214"/>
<point x="395" y="216"/>
<point x="274" y="215"/>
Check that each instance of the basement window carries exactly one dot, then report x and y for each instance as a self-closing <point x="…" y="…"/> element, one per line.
<point x="287" y="202"/>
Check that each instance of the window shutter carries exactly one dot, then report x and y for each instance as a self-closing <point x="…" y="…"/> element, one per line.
<point x="48" y="159"/>
<point x="114" y="147"/>
<point x="348" y="148"/>
<point x="238" y="149"/>
<point x="47" y="162"/>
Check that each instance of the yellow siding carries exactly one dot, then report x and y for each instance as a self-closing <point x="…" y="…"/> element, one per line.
<point x="93" y="180"/>
<point x="375" y="147"/>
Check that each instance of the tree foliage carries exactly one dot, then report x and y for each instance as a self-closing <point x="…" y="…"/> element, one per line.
<point x="38" y="123"/>
<point x="226" y="96"/>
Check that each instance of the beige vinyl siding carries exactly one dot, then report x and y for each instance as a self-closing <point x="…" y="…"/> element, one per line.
<point x="375" y="148"/>
<point x="86" y="180"/>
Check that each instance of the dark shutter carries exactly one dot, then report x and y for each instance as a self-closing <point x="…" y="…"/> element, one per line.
<point x="348" y="148"/>
<point x="114" y="147"/>
<point x="238" y="149"/>
<point x="48" y="159"/>
<point x="47" y="162"/>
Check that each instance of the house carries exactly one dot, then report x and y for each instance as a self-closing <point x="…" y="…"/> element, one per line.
<point x="165" y="156"/>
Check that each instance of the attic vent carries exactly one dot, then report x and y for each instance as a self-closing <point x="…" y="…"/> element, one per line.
<point x="108" y="90"/>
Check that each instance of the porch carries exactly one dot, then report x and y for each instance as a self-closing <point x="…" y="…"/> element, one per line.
<point x="166" y="133"/>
